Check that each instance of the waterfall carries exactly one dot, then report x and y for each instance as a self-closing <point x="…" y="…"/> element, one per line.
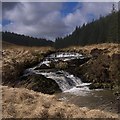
<point x="63" y="79"/>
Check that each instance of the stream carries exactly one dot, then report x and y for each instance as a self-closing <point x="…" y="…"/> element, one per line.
<point x="73" y="89"/>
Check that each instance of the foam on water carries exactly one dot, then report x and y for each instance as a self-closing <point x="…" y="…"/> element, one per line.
<point x="65" y="55"/>
<point x="46" y="62"/>
<point x="67" y="82"/>
<point x="78" y="91"/>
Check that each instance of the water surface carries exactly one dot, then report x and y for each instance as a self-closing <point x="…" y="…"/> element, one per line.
<point x="73" y="89"/>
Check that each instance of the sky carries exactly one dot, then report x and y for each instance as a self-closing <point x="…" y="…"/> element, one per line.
<point x="50" y="19"/>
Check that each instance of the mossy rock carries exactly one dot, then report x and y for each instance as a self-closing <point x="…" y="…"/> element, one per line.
<point x="61" y="65"/>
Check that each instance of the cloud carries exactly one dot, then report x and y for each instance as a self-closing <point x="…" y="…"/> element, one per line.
<point x="74" y="19"/>
<point x="9" y="5"/>
<point x="41" y="19"/>
<point x="0" y="27"/>
<point x="35" y="19"/>
<point x="97" y="8"/>
<point x="0" y="11"/>
<point x="86" y="11"/>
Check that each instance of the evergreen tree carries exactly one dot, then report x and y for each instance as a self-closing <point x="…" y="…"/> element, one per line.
<point x="105" y="29"/>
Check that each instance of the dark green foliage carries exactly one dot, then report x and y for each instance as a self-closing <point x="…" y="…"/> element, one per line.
<point x="24" y="40"/>
<point x="105" y="29"/>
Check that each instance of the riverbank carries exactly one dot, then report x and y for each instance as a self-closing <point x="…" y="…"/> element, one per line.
<point x="102" y="69"/>
<point x="17" y="59"/>
<point x="24" y="103"/>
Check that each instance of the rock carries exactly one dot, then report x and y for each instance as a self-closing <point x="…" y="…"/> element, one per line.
<point x="43" y="66"/>
<point x="78" y="61"/>
<point x="39" y="83"/>
<point x="116" y="56"/>
<point x="100" y="86"/>
<point x="96" y="52"/>
<point x="52" y="64"/>
<point x="61" y="65"/>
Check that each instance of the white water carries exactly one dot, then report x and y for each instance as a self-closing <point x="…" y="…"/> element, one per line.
<point x="65" y="55"/>
<point x="74" y="90"/>
<point x="67" y="82"/>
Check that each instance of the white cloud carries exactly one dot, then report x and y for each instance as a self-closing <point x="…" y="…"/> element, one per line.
<point x="0" y="27"/>
<point x="97" y="8"/>
<point x="36" y="19"/>
<point x="82" y="13"/>
<point x="74" y="19"/>
<point x="45" y="19"/>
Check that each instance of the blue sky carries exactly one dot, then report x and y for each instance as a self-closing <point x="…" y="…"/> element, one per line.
<point x="5" y="22"/>
<point x="50" y="20"/>
<point x="69" y="7"/>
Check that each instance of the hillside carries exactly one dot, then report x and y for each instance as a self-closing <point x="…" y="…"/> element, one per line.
<point x="17" y="39"/>
<point x="103" y="30"/>
<point x="6" y="44"/>
<point x="75" y="76"/>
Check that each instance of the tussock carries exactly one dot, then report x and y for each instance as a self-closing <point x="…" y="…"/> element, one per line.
<point x="24" y="103"/>
<point x="111" y="48"/>
<point x="17" y="59"/>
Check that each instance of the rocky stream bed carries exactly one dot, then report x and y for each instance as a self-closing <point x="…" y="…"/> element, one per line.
<point x="54" y="75"/>
<point x="86" y="77"/>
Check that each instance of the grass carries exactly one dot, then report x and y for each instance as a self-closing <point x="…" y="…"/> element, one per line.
<point x="17" y="59"/>
<point x="110" y="47"/>
<point x="23" y="103"/>
<point x="103" y="68"/>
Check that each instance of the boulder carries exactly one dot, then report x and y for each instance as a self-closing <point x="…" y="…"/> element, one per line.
<point x="61" y="65"/>
<point x="39" y="83"/>
<point x="78" y="61"/>
<point x="96" y="52"/>
<point x="43" y="66"/>
<point x="116" y="56"/>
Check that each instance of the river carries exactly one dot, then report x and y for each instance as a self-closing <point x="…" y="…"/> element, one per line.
<point x="73" y="89"/>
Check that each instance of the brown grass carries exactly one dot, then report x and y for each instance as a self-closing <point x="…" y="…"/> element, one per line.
<point x="23" y="103"/>
<point x="17" y="59"/>
<point x="111" y="47"/>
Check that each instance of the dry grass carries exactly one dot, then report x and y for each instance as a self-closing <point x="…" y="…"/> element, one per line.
<point x="23" y="103"/>
<point x="110" y="47"/>
<point x="17" y="59"/>
<point x="102" y="67"/>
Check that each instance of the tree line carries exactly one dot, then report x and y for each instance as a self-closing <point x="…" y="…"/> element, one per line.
<point x="104" y="30"/>
<point x="25" y="40"/>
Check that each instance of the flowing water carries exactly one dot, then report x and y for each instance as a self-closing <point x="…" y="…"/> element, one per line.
<point x="73" y="89"/>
